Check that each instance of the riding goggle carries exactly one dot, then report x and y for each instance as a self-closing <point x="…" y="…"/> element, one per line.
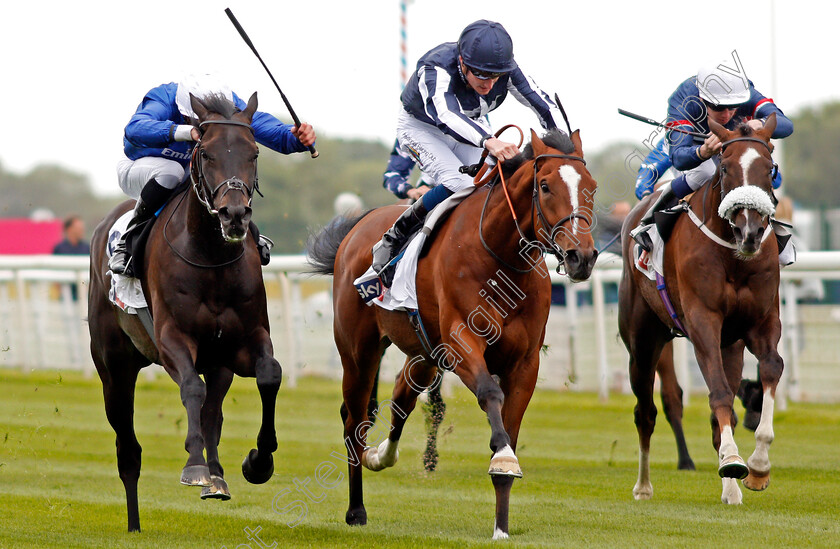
<point x="485" y="75"/>
<point x="720" y="108"/>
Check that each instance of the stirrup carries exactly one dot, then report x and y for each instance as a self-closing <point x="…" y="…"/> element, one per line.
<point x="642" y="238"/>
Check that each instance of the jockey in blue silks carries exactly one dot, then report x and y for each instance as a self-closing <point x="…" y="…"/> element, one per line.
<point x="397" y="173"/>
<point x="158" y="143"/>
<point x="443" y="125"/>
<point x="720" y="94"/>
<point x="657" y="163"/>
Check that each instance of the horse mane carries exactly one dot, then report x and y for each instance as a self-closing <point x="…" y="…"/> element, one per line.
<point x="556" y="139"/>
<point x="219" y="104"/>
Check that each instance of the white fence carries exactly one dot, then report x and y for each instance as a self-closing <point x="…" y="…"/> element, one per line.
<point x="42" y="326"/>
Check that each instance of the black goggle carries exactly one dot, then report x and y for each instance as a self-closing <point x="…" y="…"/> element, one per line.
<point x="720" y="108"/>
<point x="485" y="75"/>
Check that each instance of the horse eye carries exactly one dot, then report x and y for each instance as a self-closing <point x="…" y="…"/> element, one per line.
<point x="722" y="168"/>
<point x="544" y="187"/>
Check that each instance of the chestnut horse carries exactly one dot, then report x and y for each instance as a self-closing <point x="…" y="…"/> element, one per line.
<point x="726" y="297"/>
<point x="203" y="281"/>
<point x="483" y="297"/>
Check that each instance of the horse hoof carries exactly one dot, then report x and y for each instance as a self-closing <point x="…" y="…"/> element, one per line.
<point x="757" y="481"/>
<point x="218" y="490"/>
<point x="733" y="467"/>
<point x="252" y="472"/>
<point x="642" y="492"/>
<point x="356" y="517"/>
<point x="499" y="534"/>
<point x="196" y="475"/>
<point x="505" y="464"/>
<point x="381" y="457"/>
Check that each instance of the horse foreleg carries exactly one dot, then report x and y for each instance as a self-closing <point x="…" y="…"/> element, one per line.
<point x="518" y="386"/>
<point x="178" y="356"/>
<point x="258" y="465"/>
<point x="713" y="364"/>
<point x="672" y="404"/>
<point x="218" y="383"/>
<point x="771" y="366"/>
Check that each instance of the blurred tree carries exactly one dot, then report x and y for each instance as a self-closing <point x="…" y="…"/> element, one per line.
<point x="53" y="188"/>
<point x="811" y="163"/>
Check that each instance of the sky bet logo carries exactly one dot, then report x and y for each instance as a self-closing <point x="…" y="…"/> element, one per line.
<point x="369" y="289"/>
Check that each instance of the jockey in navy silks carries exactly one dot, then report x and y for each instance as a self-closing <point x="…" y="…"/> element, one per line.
<point x="718" y="93"/>
<point x="397" y="173"/>
<point x="158" y="144"/>
<point x="443" y="124"/>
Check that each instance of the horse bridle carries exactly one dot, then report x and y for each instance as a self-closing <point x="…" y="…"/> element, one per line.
<point x="749" y="139"/>
<point x="536" y="210"/>
<point x="199" y="182"/>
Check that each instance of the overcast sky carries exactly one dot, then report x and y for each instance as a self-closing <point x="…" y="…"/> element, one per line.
<point x="74" y="72"/>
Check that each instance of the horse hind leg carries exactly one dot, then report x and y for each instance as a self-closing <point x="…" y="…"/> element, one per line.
<point x="435" y="410"/>
<point x="118" y="389"/>
<point x="672" y="404"/>
<point x="415" y="377"/>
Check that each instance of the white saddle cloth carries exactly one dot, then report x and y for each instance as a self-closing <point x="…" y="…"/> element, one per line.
<point x="402" y="295"/>
<point x="126" y="292"/>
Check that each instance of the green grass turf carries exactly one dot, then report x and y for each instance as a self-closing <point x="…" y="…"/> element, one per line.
<point x="59" y="485"/>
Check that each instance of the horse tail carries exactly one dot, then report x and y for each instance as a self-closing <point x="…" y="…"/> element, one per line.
<point x="321" y="248"/>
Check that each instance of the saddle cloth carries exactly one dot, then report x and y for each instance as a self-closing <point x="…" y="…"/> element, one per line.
<point x="402" y="295"/>
<point x="125" y="292"/>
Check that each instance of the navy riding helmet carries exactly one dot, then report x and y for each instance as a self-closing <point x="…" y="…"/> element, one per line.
<point x="486" y="46"/>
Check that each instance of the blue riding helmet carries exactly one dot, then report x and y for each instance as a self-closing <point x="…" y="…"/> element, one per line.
<point x="486" y="46"/>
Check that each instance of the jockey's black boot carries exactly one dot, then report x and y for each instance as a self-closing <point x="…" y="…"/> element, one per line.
<point x="152" y="198"/>
<point x="264" y="244"/>
<point x="394" y="239"/>
<point x="639" y="234"/>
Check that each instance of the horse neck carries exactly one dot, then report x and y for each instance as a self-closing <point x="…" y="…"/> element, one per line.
<point x="499" y="228"/>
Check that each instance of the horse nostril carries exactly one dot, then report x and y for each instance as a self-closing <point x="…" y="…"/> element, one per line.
<point x="224" y="214"/>
<point x="572" y="258"/>
<point x="737" y="231"/>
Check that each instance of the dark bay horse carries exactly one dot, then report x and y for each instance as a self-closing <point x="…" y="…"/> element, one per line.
<point x="723" y="282"/>
<point x="203" y="281"/>
<point x="483" y="295"/>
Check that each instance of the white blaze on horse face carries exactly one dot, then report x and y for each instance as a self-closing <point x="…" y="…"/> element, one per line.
<point x="746" y="161"/>
<point x="572" y="178"/>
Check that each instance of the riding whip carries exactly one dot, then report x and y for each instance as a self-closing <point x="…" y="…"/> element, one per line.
<point x="653" y="122"/>
<point x="247" y="40"/>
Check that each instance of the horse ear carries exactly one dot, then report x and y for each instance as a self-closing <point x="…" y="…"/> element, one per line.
<point x="536" y="144"/>
<point x="575" y="137"/>
<point x="719" y="130"/>
<point x="251" y="108"/>
<point x="198" y="107"/>
<point x="769" y="127"/>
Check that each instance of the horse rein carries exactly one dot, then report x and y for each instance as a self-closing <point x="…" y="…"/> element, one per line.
<point x="701" y="224"/>
<point x="199" y="182"/>
<point x="536" y="209"/>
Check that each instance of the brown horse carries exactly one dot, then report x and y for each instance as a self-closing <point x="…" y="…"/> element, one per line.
<point x="203" y="282"/>
<point x="726" y="298"/>
<point x="483" y="296"/>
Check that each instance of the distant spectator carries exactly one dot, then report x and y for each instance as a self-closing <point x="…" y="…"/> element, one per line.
<point x="73" y="243"/>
